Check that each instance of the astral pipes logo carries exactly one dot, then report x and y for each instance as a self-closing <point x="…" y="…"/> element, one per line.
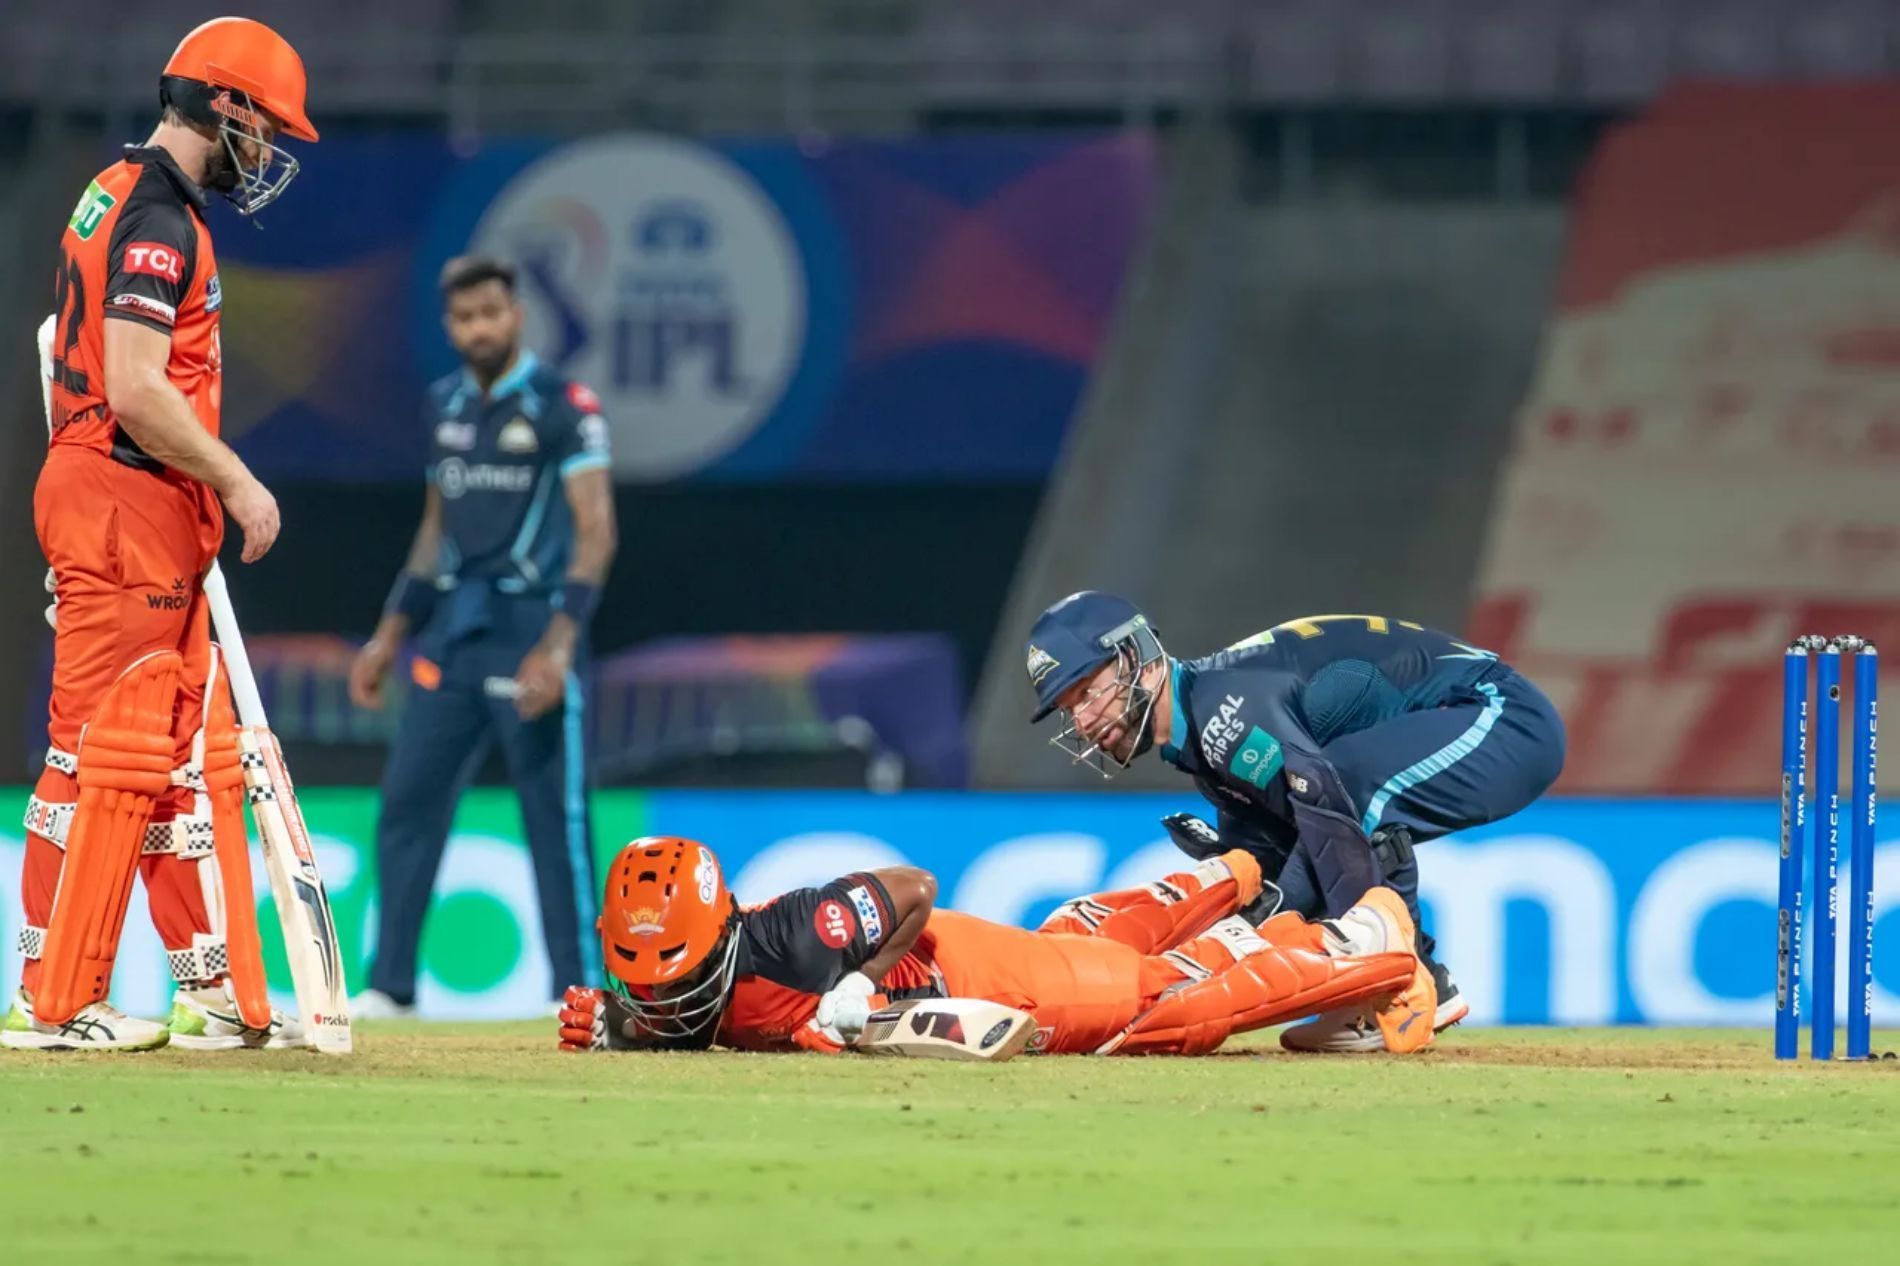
<point x="658" y="273"/>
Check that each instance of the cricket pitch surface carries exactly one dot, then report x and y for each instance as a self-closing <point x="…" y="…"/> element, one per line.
<point x="482" y="1143"/>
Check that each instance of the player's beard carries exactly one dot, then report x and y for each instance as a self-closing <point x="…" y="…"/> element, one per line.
<point x="489" y="360"/>
<point x="1135" y="742"/>
<point x="221" y="169"/>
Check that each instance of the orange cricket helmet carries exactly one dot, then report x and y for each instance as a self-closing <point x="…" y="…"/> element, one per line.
<point x="223" y="74"/>
<point x="669" y="935"/>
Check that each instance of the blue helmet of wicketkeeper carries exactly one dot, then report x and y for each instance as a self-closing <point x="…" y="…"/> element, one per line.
<point x="1096" y="658"/>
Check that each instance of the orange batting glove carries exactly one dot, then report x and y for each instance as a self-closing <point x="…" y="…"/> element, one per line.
<point x="811" y="1036"/>
<point x="593" y="1020"/>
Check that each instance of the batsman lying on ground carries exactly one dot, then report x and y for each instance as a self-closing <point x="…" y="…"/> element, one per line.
<point x="1167" y="968"/>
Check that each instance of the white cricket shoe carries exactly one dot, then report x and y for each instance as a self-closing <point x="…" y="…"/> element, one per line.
<point x="1354" y="1030"/>
<point x="374" y="1004"/>
<point x="1379" y="924"/>
<point x="207" y="1019"/>
<point x="99" y="1027"/>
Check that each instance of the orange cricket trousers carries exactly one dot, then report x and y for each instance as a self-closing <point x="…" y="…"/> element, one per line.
<point x="128" y="550"/>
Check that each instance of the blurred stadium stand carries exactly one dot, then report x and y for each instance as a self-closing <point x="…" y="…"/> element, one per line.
<point x="789" y="64"/>
<point x="1346" y="184"/>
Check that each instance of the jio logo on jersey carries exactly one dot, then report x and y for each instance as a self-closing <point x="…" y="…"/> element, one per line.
<point x="657" y="272"/>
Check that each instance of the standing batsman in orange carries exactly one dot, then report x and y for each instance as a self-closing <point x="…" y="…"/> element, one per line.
<point x="142" y="772"/>
<point x="1165" y="969"/>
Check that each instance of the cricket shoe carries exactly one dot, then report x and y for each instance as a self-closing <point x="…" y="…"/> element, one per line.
<point x="99" y="1027"/>
<point x="374" y="1004"/>
<point x="1404" y="1023"/>
<point x="207" y="1019"/>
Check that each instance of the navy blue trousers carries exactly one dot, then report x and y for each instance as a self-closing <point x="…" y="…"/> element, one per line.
<point x="441" y="741"/>
<point x="1473" y="760"/>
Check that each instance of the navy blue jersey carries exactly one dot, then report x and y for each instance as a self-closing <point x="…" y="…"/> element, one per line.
<point x="1252" y="723"/>
<point x="499" y="460"/>
<point x="811" y="938"/>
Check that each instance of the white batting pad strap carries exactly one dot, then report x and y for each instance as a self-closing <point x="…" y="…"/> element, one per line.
<point x="1166" y="893"/>
<point x="207" y="959"/>
<point x="49" y="820"/>
<point x="65" y="762"/>
<point x="32" y="941"/>
<point x="1189" y="966"/>
<point x="188" y="835"/>
<point x="1213" y="871"/>
<point x="192" y="776"/>
<point x="1084" y="911"/>
<point x="1237" y="937"/>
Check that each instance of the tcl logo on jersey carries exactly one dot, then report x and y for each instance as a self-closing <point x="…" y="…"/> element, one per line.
<point x="833" y="923"/>
<point x="1220" y="731"/>
<point x="154" y="260"/>
<point x="582" y="397"/>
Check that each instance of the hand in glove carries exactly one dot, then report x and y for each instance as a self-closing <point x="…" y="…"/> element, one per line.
<point x="845" y="1009"/>
<point x="1193" y="836"/>
<point x="593" y="1020"/>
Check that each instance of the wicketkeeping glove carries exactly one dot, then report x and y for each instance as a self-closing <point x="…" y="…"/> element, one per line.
<point x="1193" y="836"/>
<point x="593" y="1020"/>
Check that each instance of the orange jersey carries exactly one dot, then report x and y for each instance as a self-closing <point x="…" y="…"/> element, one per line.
<point x="136" y="249"/>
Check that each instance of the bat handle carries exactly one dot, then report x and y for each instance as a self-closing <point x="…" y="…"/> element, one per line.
<point x="237" y="663"/>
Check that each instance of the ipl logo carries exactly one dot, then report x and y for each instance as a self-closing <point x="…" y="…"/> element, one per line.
<point x="660" y="274"/>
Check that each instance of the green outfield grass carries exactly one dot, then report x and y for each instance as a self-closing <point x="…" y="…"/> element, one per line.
<point x="474" y="1143"/>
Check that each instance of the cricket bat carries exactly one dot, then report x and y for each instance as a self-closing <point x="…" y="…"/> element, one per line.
<point x="968" y="1029"/>
<point x="303" y="907"/>
<point x="47" y="328"/>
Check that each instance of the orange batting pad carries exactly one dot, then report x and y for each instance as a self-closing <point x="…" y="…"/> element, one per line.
<point x="224" y="783"/>
<point x="1271" y="985"/>
<point x="125" y="763"/>
<point x="1161" y="915"/>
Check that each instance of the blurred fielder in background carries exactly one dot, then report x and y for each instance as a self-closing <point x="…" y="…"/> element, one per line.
<point x="505" y="571"/>
<point x="142" y="768"/>
<point x="1328" y="745"/>
<point x="1164" y="969"/>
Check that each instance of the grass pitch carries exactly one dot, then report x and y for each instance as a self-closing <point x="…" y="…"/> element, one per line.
<point x="479" y="1143"/>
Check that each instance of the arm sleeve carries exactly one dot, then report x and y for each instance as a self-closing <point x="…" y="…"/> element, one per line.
<point x="811" y="938"/>
<point x="583" y="441"/>
<point x="149" y="263"/>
